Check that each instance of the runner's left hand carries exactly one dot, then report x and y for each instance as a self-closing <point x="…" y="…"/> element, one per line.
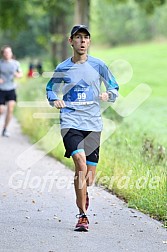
<point x="104" y="96"/>
<point x="18" y="74"/>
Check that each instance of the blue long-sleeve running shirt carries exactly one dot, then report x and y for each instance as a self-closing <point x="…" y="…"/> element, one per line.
<point x="79" y="86"/>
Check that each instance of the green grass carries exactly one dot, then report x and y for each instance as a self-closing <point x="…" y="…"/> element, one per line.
<point x="132" y="159"/>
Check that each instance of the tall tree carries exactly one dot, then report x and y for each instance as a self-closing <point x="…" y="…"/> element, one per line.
<point x="82" y="12"/>
<point x="59" y="13"/>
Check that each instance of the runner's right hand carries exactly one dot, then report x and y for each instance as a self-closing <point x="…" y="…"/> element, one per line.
<point x="59" y="104"/>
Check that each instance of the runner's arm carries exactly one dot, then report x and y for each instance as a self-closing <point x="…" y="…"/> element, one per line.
<point x="18" y="73"/>
<point x="110" y="84"/>
<point x="53" y="88"/>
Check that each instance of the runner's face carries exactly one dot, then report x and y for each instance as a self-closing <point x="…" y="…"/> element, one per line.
<point x="7" y="53"/>
<point x="80" y="42"/>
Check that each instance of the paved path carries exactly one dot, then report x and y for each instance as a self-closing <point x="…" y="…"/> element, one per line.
<point x="38" y="214"/>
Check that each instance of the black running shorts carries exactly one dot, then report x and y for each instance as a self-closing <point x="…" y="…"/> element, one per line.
<point x="6" y="96"/>
<point x="78" y="141"/>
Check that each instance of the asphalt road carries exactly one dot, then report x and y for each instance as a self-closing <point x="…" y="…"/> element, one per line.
<point x="37" y="212"/>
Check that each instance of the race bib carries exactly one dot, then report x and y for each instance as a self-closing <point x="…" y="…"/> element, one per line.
<point x="80" y="95"/>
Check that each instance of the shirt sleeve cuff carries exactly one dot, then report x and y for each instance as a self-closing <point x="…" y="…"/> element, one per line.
<point x="112" y="95"/>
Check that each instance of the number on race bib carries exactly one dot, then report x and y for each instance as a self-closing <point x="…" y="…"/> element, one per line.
<point x="81" y="96"/>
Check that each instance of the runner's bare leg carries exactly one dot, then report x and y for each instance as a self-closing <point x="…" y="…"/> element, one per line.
<point x="80" y="180"/>
<point x="9" y="113"/>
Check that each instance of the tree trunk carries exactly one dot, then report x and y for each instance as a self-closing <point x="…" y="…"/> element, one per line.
<point x="64" y="44"/>
<point x="82" y="12"/>
<point x="53" y="31"/>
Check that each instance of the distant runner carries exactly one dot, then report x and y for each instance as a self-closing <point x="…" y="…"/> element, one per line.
<point x="81" y="124"/>
<point x="9" y="69"/>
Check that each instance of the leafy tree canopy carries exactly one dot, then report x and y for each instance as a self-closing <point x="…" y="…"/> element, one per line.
<point x="148" y="5"/>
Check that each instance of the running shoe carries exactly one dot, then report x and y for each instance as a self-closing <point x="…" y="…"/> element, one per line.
<point x="82" y="224"/>
<point x="5" y="133"/>
<point x="87" y="201"/>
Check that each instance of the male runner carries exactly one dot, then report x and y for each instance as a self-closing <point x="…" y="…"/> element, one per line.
<point x="80" y="78"/>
